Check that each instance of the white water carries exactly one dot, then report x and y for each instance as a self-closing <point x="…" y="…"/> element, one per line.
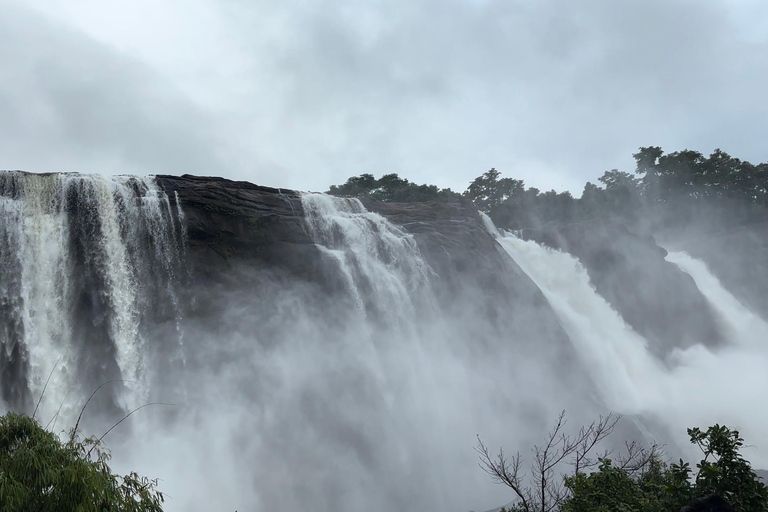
<point x="376" y="258"/>
<point x="616" y="355"/>
<point x="744" y="327"/>
<point x="702" y="387"/>
<point x="726" y="385"/>
<point x="37" y="217"/>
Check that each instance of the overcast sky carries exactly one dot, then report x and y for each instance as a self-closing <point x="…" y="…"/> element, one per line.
<point x="303" y="94"/>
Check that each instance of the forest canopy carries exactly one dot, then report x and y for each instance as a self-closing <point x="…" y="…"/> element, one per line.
<point x="669" y="185"/>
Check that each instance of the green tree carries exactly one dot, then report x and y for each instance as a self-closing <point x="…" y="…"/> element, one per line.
<point x="41" y="473"/>
<point x="355" y="186"/>
<point x="638" y="481"/>
<point x="609" y="489"/>
<point x="489" y="191"/>
<point x="725" y="472"/>
<point x="390" y="188"/>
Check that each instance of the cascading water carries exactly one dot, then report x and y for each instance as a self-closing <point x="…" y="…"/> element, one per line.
<point x="379" y="262"/>
<point x="726" y="385"/>
<point x="744" y="326"/>
<point x="616" y="355"/>
<point x="78" y="252"/>
<point x="696" y="387"/>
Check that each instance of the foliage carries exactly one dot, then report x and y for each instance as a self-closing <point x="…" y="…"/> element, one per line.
<point x="607" y="490"/>
<point x="724" y="471"/>
<point x="389" y="188"/>
<point x="488" y="192"/>
<point x="639" y="480"/>
<point x="39" y="472"/>
<point x="544" y="491"/>
<point x="669" y="188"/>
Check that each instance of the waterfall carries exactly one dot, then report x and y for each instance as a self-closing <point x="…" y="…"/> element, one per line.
<point x="364" y="386"/>
<point x="744" y="326"/>
<point x="617" y="355"/>
<point x="726" y="385"/>
<point x="697" y="386"/>
<point x="380" y="263"/>
<point x="79" y="253"/>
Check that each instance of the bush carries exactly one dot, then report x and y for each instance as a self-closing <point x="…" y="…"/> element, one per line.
<point x="639" y="481"/>
<point x="40" y="472"/>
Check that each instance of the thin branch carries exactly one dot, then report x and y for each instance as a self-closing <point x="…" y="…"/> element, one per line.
<point x="637" y="457"/>
<point x="122" y="420"/>
<point x="503" y="471"/>
<point x="547" y="493"/>
<point x="77" y="423"/>
<point x="56" y="416"/>
<point x="45" y="387"/>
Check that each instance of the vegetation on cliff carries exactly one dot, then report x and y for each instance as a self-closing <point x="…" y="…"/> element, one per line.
<point x="670" y="186"/>
<point x="390" y="188"/>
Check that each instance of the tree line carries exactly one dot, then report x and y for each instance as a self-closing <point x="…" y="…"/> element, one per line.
<point x="671" y="188"/>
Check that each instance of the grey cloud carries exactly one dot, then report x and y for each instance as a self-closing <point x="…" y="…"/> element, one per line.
<point x="70" y="103"/>
<point x="555" y="92"/>
<point x="440" y="91"/>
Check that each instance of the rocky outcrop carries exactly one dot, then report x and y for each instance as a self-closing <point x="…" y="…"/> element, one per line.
<point x="629" y="270"/>
<point x="231" y="222"/>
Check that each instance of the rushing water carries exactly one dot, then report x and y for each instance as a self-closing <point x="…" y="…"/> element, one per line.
<point x="79" y="256"/>
<point x="697" y="387"/>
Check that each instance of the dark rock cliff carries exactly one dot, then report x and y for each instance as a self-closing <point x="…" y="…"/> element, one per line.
<point x="230" y="223"/>
<point x="232" y="226"/>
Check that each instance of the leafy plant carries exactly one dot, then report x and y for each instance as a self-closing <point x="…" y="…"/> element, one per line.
<point x="41" y="473"/>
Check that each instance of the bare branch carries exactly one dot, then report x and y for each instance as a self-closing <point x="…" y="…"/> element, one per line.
<point x="98" y="441"/>
<point x="80" y="416"/>
<point x="589" y="438"/>
<point x="55" y="416"/>
<point x="547" y="492"/>
<point x="636" y="458"/>
<point x="503" y="471"/>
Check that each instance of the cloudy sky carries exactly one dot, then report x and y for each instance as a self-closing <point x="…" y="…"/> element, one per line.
<point x="303" y="94"/>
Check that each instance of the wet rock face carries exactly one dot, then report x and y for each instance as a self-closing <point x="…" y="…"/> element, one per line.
<point x="659" y="301"/>
<point x="230" y="223"/>
<point x="232" y="226"/>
